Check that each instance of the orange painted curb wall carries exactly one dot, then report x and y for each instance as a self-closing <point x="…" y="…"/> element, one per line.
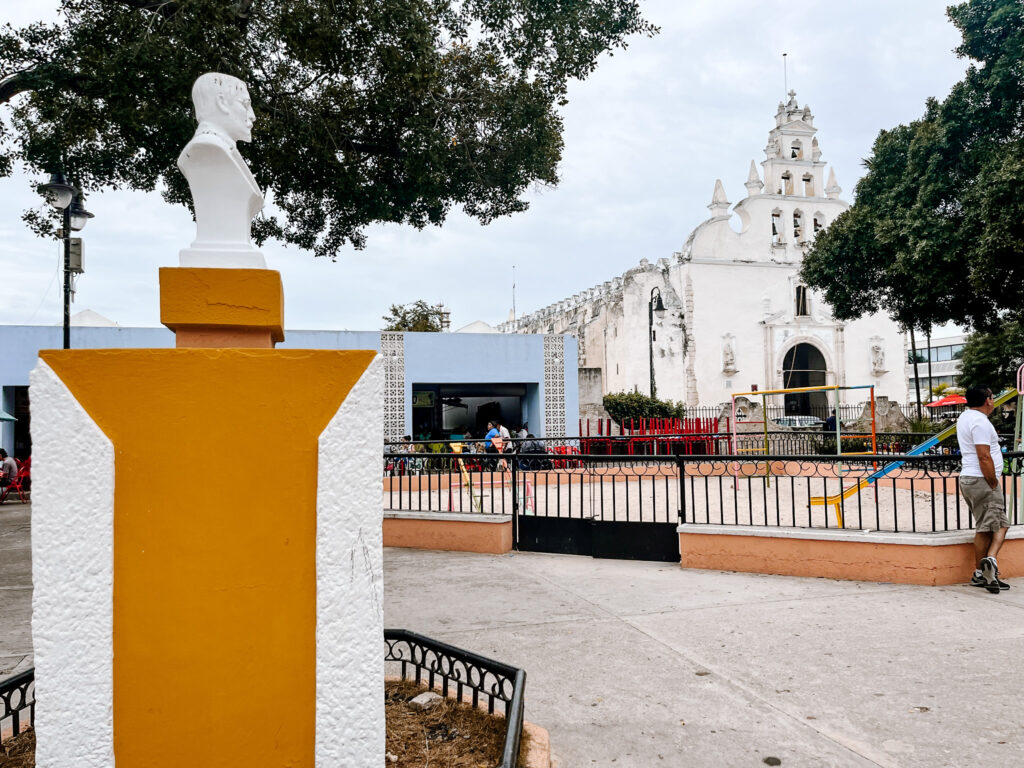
<point x="448" y="535"/>
<point x="214" y="599"/>
<point x="927" y="565"/>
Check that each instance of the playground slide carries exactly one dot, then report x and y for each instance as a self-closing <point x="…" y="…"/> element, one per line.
<point x="837" y="498"/>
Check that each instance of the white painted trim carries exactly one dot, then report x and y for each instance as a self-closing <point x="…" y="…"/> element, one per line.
<point x="73" y="577"/>
<point x="938" y="539"/>
<point x="350" y="580"/>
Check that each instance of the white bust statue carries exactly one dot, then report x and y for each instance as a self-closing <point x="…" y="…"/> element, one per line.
<point x="224" y="193"/>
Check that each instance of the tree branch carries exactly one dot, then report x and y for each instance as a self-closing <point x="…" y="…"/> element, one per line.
<point x="12" y="85"/>
<point x="165" y="8"/>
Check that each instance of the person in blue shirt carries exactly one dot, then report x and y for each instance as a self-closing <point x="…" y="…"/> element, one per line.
<point x="830" y="423"/>
<point x="492" y="432"/>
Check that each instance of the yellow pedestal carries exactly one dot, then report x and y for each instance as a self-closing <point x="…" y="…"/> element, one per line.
<point x="215" y="523"/>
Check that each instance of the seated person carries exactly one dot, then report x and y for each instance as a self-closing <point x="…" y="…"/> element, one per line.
<point x="531" y="454"/>
<point x="8" y="469"/>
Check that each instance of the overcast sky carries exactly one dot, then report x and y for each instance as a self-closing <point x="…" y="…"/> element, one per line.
<point x="646" y="137"/>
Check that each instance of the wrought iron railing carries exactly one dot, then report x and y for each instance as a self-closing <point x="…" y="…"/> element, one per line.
<point x="888" y="492"/>
<point x="17" y="704"/>
<point x="775" y="442"/>
<point x="895" y="493"/>
<point x="461" y="675"/>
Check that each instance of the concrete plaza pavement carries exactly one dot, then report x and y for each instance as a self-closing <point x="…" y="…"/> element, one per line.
<point x="15" y="588"/>
<point x="647" y="664"/>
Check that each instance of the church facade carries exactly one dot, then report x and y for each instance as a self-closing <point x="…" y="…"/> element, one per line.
<point x="728" y="312"/>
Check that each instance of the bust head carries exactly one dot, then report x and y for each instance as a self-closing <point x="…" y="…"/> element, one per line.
<point x="223" y="106"/>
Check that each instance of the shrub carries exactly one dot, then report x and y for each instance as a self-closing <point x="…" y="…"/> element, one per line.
<point x="623" y="406"/>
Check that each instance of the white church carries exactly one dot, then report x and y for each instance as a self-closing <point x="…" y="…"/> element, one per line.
<point x="728" y="312"/>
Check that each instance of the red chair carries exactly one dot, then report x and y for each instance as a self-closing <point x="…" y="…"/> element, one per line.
<point x="17" y="487"/>
<point x="25" y="472"/>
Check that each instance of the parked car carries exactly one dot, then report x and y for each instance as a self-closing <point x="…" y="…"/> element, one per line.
<point x="800" y="422"/>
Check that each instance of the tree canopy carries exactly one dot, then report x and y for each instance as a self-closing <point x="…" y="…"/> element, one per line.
<point x="418" y="316"/>
<point x="367" y="111"/>
<point x="991" y="358"/>
<point x="937" y="230"/>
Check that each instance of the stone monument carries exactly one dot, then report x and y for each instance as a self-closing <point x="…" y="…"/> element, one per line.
<point x="225" y="195"/>
<point x="188" y="609"/>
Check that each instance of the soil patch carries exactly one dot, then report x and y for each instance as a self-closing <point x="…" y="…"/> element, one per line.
<point x="19" y="752"/>
<point x="449" y="735"/>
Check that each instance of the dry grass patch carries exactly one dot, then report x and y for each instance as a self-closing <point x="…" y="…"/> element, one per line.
<point x="451" y="734"/>
<point x="19" y="752"/>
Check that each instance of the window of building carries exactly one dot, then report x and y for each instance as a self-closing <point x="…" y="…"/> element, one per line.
<point x="798" y="226"/>
<point x="796" y="150"/>
<point x="808" y="181"/>
<point x="946" y="352"/>
<point x="802" y="303"/>
<point x="819" y="223"/>
<point x="787" y="183"/>
<point x="776" y="227"/>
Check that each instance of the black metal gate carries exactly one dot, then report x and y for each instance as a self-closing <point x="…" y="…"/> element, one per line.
<point x="608" y="507"/>
<point x="597" y="538"/>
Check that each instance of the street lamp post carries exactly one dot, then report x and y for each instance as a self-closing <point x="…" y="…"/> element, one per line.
<point x="71" y="203"/>
<point x="654" y="305"/>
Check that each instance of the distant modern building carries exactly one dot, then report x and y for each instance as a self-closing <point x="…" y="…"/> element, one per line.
<point x="944" y="353"/>
<point x="728" y="312"/>
<point x="436" y="384"/>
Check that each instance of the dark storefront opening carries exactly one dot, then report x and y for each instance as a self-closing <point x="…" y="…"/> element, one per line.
<point x="16" y="403"/>
<point x="442" y="410"/>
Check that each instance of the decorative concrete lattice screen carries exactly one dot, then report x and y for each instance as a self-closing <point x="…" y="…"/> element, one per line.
<point x="554" y="386"/>
<point x="392" y="349"/>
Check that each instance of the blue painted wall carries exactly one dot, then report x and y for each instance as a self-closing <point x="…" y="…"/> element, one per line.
<point x="436" y="358"/>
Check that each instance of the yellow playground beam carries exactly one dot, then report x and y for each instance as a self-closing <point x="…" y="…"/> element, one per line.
<point x="823" y="388"/>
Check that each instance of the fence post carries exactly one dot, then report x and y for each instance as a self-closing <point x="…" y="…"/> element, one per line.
<point x="515" y="501"/>
<point x="681" y="472"/>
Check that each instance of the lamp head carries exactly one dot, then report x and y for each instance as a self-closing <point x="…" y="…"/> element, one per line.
<point x="659" y="306"/>
<point x="57" y="191"/>
<point x="77" y="212"/>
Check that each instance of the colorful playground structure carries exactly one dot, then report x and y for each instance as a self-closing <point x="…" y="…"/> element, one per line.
<point x="837" y="499"/>
<point x="765" y="394"/>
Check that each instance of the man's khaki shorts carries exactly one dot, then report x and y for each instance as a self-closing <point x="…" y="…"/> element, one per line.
<point x="985" y="503"/>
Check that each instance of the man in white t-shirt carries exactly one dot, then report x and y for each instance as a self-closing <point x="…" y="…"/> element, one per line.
<point x="981" y="467"/>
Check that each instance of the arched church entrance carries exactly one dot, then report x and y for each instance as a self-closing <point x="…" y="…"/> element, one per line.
<point x="804" y="366"/>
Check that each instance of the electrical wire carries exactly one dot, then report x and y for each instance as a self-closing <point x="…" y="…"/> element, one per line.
<point x="56" y="272"/>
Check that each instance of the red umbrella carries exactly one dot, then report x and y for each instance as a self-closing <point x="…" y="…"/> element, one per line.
<point x="948" y="400"/>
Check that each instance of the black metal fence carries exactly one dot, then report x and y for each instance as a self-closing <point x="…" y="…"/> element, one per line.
<point x="426" y="455"/>
<point x="846" y="411"/>
<point x="919" y="494"/>
<point x="810" y="490"/>
<point x="463" y="676"/>
<point x="638" y="488"/>
<point x="17" y="704"/>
